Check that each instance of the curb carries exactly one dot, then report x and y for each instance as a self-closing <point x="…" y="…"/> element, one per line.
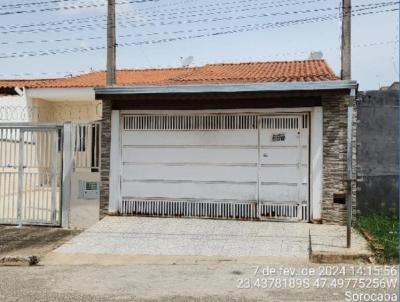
<point x="377" y="247"/>
<point x="329" y="257"/>
<point x="19" y="261"/>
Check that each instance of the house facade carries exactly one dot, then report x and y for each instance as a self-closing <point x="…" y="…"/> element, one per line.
<point x="234" y="141"/>
<point x="254" y="141"/>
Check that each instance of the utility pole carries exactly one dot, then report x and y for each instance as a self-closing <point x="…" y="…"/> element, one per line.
<point x="346" y="75"/>
<point x="111" y="44"/>
<point x="346" y="40"/>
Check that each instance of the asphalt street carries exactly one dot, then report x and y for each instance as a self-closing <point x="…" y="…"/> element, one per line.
<point x="208" y="281"/>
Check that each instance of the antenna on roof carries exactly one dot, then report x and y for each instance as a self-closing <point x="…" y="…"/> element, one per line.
<point x="316" y="55"/>
<point x="186" y="62"/>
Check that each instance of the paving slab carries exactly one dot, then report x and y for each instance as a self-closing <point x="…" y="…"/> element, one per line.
<point x="141" y="236"/>
<point x="329" y="244"/>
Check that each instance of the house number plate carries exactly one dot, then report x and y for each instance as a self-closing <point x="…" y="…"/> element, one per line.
<point x="280" y="137"/>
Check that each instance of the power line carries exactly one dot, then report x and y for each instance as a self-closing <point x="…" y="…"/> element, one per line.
<point x="130" y="35"/>
<point x="18" y="5"/>
<point x="181" y="22"/>
<point x="94" y="18"/>
<point x="41" y="3"/>
<point x="43" y="74"/>
<point x="71" y="7"/>
<point x="283" y="54"/>
<point x="127" y="24"/>
<point x="52" y="2"/>
<point x="196" y="33"/>
<point x="180" y="32"/>
<point x="174" y="12"/>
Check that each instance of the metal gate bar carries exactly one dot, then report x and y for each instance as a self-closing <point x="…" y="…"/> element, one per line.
<point x="30" y="183"/>
<point x="214" y="209"/>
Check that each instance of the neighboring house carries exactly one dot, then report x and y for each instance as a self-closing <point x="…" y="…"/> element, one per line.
<point x="394" y="87"/>
<point x="247" y="141"/>
<point x="51" y="101"/>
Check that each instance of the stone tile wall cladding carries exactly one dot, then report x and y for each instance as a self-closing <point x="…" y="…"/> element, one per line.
<point x="105" y="158"/>
<point x="334" y="158"/>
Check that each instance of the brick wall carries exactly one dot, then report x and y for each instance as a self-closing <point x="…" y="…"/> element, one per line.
<point x="105" y="157"/>
<point x="335" y="158"/>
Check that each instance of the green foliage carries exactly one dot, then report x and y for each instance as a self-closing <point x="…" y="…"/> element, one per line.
<point x="385" y="233"/>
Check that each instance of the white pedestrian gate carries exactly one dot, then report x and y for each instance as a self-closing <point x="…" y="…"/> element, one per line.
<point x="30" y="169"/>
<point x="246" y="166"/>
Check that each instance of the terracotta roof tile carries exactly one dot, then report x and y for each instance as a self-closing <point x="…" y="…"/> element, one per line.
<point x="256" y="72"/>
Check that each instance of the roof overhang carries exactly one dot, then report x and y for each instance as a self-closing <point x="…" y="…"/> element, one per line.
<point x="230" y="88"/>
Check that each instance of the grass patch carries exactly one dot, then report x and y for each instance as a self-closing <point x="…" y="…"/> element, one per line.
<point x="385" y="237"/>
<point x="37" y="239"/>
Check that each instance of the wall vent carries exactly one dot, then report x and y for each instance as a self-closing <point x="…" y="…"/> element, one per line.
<point x="212" y="122"/>
<point x="189" y="122"/>
<point x="279" y="122"/>
<point x="215" y="210"/>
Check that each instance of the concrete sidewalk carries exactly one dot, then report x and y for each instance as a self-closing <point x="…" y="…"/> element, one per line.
<point x="174" y="237"/>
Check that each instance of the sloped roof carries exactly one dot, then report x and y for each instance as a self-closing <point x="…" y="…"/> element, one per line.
<point x="255" y="72"/>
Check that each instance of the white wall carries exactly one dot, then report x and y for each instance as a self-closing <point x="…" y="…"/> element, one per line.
<point x="115" y="163"/>
<point x="84" y="213"/>
<point x="316" y="162"/>
<point x="14" y="108"/>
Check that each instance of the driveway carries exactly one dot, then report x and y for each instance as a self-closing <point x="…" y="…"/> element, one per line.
<point x="139" y="236"/>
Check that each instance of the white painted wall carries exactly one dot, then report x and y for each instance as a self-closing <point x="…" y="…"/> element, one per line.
<point x="14" y="108"/>
<point x="84" y="213"/>
<point x="12" y="100"/>
<point x="316" y="162"/>
<point x="115" y="163"/>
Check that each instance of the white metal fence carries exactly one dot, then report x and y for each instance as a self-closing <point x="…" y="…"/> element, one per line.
<point x="30" y="175"/>
<point x="32" y="160"/>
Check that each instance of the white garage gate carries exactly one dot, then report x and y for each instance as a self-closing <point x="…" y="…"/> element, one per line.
<point x="244" y="166"/>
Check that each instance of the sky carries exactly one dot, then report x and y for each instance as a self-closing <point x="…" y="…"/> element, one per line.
<point x="61" y="37"/>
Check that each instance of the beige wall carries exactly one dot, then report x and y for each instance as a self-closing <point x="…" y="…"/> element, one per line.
<point x="25" y="109"/>
<point x="76" y="111"/>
